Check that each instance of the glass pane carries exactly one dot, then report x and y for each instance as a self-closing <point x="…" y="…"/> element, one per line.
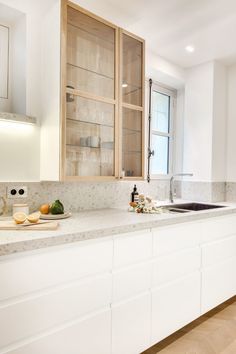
<point x="89" y="137"/>
<point x="159" y="162"/>
<point x="161" y="112"/>
<point x="132" y="71"/>
<point x="90" y="55"/>
<point x="132" y="143"/>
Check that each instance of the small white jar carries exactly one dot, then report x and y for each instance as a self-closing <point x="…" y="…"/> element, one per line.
<point x="23" y="208"/>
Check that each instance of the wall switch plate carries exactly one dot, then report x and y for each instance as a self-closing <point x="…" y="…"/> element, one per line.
<point x="14" y="192"/>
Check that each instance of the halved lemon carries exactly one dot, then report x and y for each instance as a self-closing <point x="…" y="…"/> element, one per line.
<point x="19" y="217"/>
<point x="33" y="218"/>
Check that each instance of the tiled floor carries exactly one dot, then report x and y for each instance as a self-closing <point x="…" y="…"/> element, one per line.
<point x="213" y="333"/>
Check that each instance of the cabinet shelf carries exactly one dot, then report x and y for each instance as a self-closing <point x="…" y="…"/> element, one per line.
<point x="91" y="71"/>
<point x="86" y="122"/>
<point x="98" y="148"/>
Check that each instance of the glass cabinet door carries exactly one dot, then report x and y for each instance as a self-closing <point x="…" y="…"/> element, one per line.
<point x="90" y="96"/>
<point x="102" y="105"/>
<point x="132" y="93"/>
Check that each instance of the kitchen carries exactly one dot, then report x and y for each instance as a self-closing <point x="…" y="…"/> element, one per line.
<point x="96" y="97"/>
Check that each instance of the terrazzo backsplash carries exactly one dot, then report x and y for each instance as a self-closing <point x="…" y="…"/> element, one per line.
<point x="203" y="191"/>
<point x="78" y="196"/>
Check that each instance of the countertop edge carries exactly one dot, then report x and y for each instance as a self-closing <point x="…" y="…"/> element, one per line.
<point x="93" y="234"/>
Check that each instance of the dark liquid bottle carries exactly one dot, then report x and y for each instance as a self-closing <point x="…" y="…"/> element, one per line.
<point x="134" y="194"/>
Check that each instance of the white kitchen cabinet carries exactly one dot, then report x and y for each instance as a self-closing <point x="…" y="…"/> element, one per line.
<point x="218" y="228"/>
<point x="131" y="325"/>
<point x="56" y="307"/>
<point x="172" y="266"/>
<point x="132" y="248"/>
<point x="115" y="295"/>
<point x="218" y="272"/>
<point x="174" y="305"/>
<point x="218" y="284"/>
<point x="176" y="237"/>
<point x="131" y="281"/>
<point x="88" y="336"/>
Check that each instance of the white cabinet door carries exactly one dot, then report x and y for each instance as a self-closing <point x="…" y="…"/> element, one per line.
<point x="175" y="238"/>
<point x="132" y="248"/>
<point x="89" y="336"/>
<point x="131" y="325"/>
<point x="176" y="265"/>
<point x="131" y="281"/>
<point x="37" y="314"/>
<point x="218" y="284"/>
<point x="174" y="305"/>
<point x="34" y="271"/>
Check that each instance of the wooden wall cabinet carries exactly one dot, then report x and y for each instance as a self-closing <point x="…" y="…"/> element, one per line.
<point x="102" y="98"/>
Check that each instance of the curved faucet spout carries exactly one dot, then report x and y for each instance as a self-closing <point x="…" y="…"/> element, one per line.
<point x="171" y="194"/>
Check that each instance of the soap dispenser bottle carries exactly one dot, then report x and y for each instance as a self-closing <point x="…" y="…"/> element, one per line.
<point x="134" y="195"/>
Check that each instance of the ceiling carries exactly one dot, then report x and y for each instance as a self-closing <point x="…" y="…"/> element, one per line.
<point x="8" y="15"/>
<point x="168" y="26"/>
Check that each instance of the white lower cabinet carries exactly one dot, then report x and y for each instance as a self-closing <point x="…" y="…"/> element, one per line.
<point x="88" y="336"/>
<point x="218" y="284"/>
<point x="174" y="305"/>
<point x="118" y="295"/>
<point x="218" y="269"/>
<point x="131" y="325"/>
<point x="53" y="308"/>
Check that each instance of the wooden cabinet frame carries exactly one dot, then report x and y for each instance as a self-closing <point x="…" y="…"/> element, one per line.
<point x="131" y="106"/>
<point x="117" y="101"/>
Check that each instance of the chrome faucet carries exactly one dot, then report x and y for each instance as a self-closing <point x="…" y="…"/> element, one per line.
<point x="171" y="195"/>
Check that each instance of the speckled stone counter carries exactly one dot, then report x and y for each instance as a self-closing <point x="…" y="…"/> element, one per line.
<point x="98" y="223"/>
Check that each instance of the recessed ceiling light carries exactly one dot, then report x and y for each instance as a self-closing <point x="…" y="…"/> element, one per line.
<point x="124" y="85"/>
<point x="189" y="49"/>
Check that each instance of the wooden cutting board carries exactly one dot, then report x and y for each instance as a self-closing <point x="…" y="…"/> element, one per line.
<point x="41" y="225"/>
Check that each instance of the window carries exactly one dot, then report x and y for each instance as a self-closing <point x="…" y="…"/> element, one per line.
<point x="161" y="130"/>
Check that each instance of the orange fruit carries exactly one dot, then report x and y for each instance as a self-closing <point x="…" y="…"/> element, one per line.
<point x="44" y="209"/>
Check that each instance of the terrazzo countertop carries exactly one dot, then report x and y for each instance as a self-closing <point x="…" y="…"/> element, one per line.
<point x="94" y="224"/>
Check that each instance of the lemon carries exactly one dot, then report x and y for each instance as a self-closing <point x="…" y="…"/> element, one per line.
<point x="33" y="218"/>
<point x="19" y="217"/>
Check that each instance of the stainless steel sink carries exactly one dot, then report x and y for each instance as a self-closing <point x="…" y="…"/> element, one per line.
<point x="186" y="207"/>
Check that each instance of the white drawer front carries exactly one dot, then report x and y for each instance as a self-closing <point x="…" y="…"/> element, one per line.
<point x="174" y="306"/>
<point x="38" y="314"/>
<point x="219" y="227"/>
<point x="86" y="337"/>
<point x="133" y="247"/>
<point x="177" y="237"/>
<point x="218" y="284"/>
<point x="218" y="251"/>
<point x="131" y="326"/>
<point x="176" y="265"/>
<point x="28" y="273"/>
<point x="131" y="281"/>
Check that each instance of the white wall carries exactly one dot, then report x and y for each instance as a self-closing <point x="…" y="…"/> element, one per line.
<point x="198" y="122"/>
<point x="231" y="124"/>
<point x="50" y="88"/>
<point x="19" y="147"/>
<point x="18" y="66"/>
<point x="163" y="71"/>
<point x="219" y="123"/>
<point x="179" y="132"/>
<point x="205" y="122"/>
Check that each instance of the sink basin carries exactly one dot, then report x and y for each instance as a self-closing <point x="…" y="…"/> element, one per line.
<point x="185" y="207"/>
